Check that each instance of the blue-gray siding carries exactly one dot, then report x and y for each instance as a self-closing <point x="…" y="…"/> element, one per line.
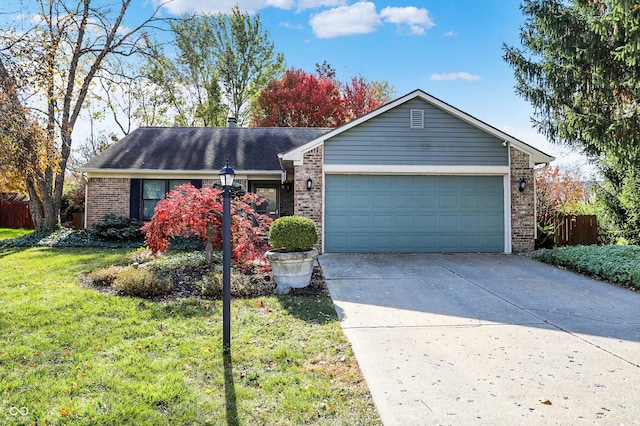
<point x="375" y="213"/>
<point x="388" y="140"/>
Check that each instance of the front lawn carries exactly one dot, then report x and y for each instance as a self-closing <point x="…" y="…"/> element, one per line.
<point x="616" y="264"/>
<point x="73" y="355"/>
<point x="7" y="233"/>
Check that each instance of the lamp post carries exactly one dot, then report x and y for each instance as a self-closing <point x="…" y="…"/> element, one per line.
<point x="226" y="180"/>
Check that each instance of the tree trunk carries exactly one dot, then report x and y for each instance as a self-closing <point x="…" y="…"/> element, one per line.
<point x="208" y="245"/>
<point x="43" y="212"/>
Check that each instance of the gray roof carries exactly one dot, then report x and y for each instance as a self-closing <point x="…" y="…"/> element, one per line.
<point x="202" y="148"/>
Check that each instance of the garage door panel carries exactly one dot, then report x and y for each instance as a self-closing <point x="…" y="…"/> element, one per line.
<point x="380" y="200"/>
<point x="448" y="200"/>
<point x="426" y="201"/>
<point x="406" y="222"/>
<point x="375" y="213"/>
<point x="405" y="201"/>
<point x="470" y="201"/>
<point x="338" y="221"/>
<point x="360" y="221"/>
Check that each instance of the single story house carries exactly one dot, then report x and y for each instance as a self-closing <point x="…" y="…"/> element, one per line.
<point x="415" y="175"/>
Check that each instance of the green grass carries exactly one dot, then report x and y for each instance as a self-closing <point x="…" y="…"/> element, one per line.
<point x="617" y="264"/>
<point x="71" y="355"/>
<point x="7" y="233"/>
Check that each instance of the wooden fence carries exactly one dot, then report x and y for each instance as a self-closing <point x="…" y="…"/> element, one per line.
<point x="575" y="230"/>
<point x="15" y="214"/>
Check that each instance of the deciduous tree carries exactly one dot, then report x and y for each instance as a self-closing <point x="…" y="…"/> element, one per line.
<point x="221" y="62"/>
<point x="50" y="68"/>
<point x="557" y="191"/>
<point x="300" y="99"/>
<point x="191" y="212"/>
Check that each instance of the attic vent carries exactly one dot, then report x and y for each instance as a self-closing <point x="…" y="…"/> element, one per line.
<point x="416" y="120"/>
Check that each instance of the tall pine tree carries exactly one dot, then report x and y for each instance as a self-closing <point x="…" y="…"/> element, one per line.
<point x="578" y="68"/>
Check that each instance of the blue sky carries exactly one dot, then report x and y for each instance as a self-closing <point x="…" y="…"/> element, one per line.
<point x="450" y="49"/>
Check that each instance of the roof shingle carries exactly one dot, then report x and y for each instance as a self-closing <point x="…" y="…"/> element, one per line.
<point x="202" y="148"/>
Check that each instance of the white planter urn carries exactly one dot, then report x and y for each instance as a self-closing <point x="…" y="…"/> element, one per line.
<point x="292" y="269"/>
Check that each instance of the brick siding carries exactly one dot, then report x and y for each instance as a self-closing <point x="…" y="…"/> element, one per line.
<point x="107" y="195"/>
<point x="309" y="203"/>
<point x="523" y="215"/>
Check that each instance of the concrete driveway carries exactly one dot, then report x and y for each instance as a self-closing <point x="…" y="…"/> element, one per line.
<point x="488" y="339"/>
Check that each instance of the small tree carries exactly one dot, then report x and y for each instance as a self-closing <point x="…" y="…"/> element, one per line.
<point x="557" y="192"/>
<point x="190" y="212"/>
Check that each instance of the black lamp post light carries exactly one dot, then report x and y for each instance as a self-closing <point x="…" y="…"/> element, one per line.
<point x="226" y="180"/>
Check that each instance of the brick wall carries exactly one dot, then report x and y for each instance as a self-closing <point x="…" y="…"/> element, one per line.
<point x="523" y="218"/>
<point x="107" y="195"/>
<point x="309" y="203"/>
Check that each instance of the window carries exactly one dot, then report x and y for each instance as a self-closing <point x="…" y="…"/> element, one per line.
<point x="154" y="190"/>
<point x="269" y="194"/>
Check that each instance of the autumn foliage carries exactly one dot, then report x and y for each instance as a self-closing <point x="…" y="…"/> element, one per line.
<point x="197" y="213"/>
<point x="557" y="191"/>
<point x="300" y="99"/>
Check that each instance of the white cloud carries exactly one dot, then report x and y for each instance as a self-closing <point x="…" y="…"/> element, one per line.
<point x="416" y="19"/>
<point x="359" y="18"/>
<point x="280" y="4"/>
<point x="450" y="34"/>
<point x="179" y="7"/>
<point x="455" y="76"/>
<point x="315" y="4"/>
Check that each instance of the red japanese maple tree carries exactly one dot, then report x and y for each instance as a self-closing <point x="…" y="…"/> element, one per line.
<point x="190" y="212"/>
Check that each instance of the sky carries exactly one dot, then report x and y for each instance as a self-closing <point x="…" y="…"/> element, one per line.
<point x="451" y="49"/>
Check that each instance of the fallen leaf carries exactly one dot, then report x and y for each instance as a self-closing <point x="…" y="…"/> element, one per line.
<point x="64" y="413"/>
<point x="545" y="402"/>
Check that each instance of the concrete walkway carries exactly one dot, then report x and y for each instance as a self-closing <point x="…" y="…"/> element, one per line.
<point x="488" y="339"/>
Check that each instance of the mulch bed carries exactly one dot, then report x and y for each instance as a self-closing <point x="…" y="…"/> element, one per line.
<point x="256" y="284"/>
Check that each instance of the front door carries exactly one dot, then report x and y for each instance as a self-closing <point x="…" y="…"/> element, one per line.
<point x="269" y="193"/>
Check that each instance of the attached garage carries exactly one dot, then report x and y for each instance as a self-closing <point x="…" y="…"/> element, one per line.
<point x="417" y="175"/>
<point x="383" y="213"/>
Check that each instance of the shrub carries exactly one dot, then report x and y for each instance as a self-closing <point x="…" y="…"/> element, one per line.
<point x="242" y="285"/>
<point x="211" y="285"/>
<point x="117" y="228"/>
<point x="616" y="264"/>
<point x="545" y="237"/>
<point x="142" y="282"/>
<point x="293" y="233"/>
<point x="141" y="255"/>
<point x="105" y="276"/>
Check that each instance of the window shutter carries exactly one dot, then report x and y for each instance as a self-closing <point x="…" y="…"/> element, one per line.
<point x="135" y="198"/>
<point x="197" y="183"/>
<point x="416" y="120"/>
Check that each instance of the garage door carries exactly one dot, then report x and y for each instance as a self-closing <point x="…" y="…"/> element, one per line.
<point x="376" y="213"/>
